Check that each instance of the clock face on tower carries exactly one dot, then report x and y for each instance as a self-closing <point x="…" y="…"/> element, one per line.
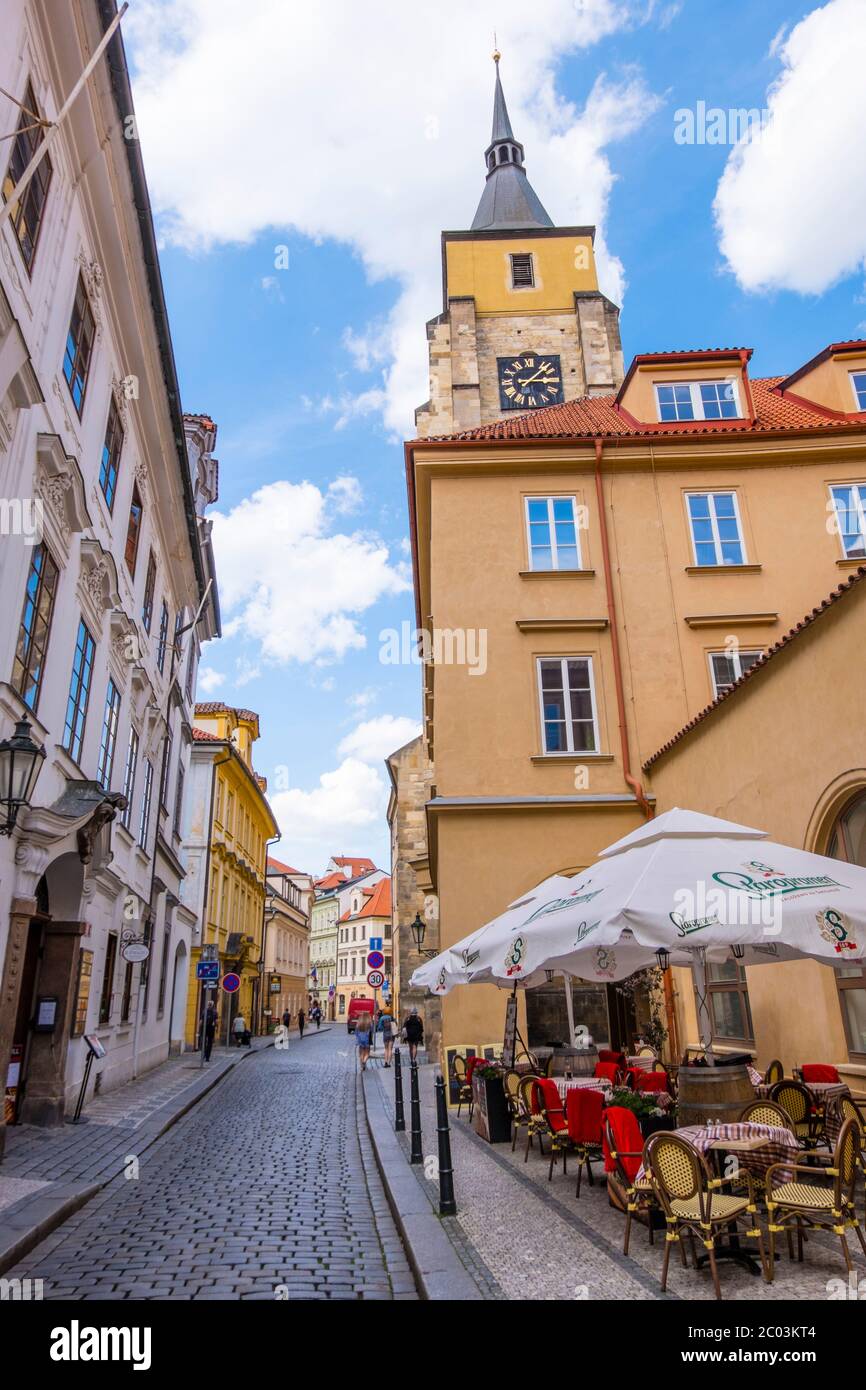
<point x="529" y="380"/>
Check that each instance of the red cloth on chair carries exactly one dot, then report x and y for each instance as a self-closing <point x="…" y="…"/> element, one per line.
<point x="607" y="1071"/>
<point x="553" y="1104"/>
<point x="627" y="1138"/>
<point x="471" y="1064"/>
<point x="583" y="1112"/>
<point x="608" y="1056"/>
<point x="818" y="1071"/>
<point x="651" y="1081"/>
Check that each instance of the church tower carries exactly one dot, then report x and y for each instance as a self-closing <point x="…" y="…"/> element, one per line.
<point x="524" y="324"/>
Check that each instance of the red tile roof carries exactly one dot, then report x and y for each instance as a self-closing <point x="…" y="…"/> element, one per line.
<point x="599" y="417"/>
<point x="379" y="901"/>
<point x="357" y="866"/>
<point x="279" y="868"/>
<point x="856" y="578"/>
<point x="330" y="881"/>
<point x="219" y="707"/>
<point x="201" y="736"/>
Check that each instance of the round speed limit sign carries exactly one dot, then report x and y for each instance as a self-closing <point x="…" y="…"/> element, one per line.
<point x="375" y="979"/>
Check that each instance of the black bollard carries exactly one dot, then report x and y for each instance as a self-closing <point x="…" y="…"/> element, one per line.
<point x="447" y="1204"/>
<point x="399" y="1116"/>
<point x="416" y="1155"/>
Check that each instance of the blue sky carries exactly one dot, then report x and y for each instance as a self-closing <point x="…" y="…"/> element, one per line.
<point x="337" y="145"/>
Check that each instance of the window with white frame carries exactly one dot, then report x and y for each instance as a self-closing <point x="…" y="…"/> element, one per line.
<point x="727" y="667"/>
<point x="698" y="400"/>
<point x="850" y="502"/>
<point x="717" y="536"/>
<point x="566" y="692"/>
<point x="858" y="381"/>
<point x="552" y="533"/>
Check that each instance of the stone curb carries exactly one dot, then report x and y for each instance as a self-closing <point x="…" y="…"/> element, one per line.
<point x="439" y="1272"/>
<point x="27" y="1223"/>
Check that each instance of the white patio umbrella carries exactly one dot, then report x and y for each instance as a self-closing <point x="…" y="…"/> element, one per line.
<point x="682" y="889"/>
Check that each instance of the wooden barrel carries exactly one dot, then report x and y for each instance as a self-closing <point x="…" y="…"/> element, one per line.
<point x="712" y="1093"/>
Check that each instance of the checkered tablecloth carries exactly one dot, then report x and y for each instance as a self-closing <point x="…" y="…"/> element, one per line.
<point x="642" y="1061"/>
<point x="580" y="1083"/>
<point x="781" y="1143"/>
<point x="820" y="1091"/>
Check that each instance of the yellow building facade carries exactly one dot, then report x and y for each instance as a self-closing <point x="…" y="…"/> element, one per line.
<point x="287" y="942"/>
<point x="232" y="811"/>
<point x="591" y="572"/>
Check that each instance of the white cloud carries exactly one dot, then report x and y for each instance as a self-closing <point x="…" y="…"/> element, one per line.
<point x="209" y="680"/>
<point x="374" y="739"/>
<point x="367" y="125"/>
<point x="345" y="812"/>
<point x="791" y="204"/>
<point x="346" y="495"/>
<point x="291" y="583"/>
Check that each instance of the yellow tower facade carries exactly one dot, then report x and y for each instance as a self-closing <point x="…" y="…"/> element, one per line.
<point x="523" y="324"/>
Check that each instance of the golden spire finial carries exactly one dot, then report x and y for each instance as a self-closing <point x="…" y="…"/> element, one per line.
<point x="496" y="54"/>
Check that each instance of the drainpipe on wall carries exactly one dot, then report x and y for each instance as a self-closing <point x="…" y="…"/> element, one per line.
<point x="630" y="780"/>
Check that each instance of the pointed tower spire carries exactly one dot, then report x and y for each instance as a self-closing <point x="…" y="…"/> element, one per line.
<point x="508" y="200"/>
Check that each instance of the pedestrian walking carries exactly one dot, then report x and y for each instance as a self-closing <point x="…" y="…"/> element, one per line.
<point x="210" y="1023"/>
<point x="287" y="1020"/>
<point x="386" y="1026"/>
<point x="363" y="1038"/>
<point x="301" y="1021"/>
<point x="239" y="1027"/>
<point x="317" y="1017"/>
<point x="414" y="1030"/>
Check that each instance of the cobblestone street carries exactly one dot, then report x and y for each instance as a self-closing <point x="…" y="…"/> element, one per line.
<point x="261" y="1191"/>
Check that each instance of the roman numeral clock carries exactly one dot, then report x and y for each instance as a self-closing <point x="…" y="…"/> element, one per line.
<point x="529" y="381"/>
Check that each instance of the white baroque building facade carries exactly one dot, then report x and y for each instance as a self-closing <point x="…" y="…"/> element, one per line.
<point x="98" y="644"/>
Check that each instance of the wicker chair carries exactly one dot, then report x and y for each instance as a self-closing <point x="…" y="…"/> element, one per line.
<point x="795" y="1099"/>
<point x="812" y="1205"/>
<point x="621" y="1126"/>
<point x="842" y="1108"/>
<point x="767" y="1112"/>
<point x="519" y="1115"/>
<point x="464" y="1090"/>
<point x="555" y="1127"/>
<point x="583" y="1113"/>
<point x="529" y="1106"/>
<point x="692" y="1203"/>
<point x="775" y="1072"/>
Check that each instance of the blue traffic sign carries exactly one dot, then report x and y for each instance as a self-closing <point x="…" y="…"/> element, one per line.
<point x="375" y="960"/>
<point x="207" y="970"/>
<point x="231" y="982"/>
<point x="376" y="943"/>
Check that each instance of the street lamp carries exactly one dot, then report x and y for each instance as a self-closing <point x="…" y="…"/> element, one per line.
<point x="20" y="764"/>
<point x="663" y="957"/>
<point x="418" y="929"/>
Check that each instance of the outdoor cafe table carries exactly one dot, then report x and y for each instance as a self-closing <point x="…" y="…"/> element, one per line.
<point x="779" y="1144"/>
<point x="820" y="1091"/>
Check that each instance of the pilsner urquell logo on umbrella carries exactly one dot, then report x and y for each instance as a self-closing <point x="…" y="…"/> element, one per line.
<point x="835" y="930"/>
<point x="514" y="959"/>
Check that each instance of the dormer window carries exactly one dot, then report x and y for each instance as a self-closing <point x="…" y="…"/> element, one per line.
<point x="698" y="400"/>
<point x="522" y="273"/>
<point x="858" y="381"/>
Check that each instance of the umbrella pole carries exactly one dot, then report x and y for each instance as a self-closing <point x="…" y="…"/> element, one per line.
<point x="705" y="1026"/>
<point x="569" y="1007"/>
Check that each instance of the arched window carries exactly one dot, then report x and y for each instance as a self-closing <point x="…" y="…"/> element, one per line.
<point x="848" y="843"/>
<point x="491" y="162"/>
<point x="503" y="154"/>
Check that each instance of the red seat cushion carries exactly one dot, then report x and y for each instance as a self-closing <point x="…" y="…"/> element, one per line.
<point x="651" y="1081"/>
<point x="818" y="1071"/>
<point x="471" y="1064"/>
<point x="627" y="1138"/>
<point x="552" y="1104"/>
<point x="583" y="1110"/>
<point x="607" y="1071"/>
